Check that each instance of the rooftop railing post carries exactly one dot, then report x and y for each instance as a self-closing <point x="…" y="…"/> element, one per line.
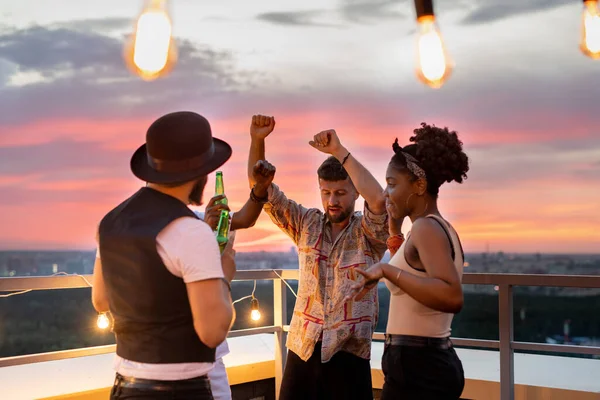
<point x="279" y="320"/>
<point x="507" y="368"/>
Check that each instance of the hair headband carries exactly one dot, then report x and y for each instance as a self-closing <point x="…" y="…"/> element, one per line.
<point x="411" y="163"/>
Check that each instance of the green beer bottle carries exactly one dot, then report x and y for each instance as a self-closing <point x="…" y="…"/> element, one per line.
<point x="223" y="226"/>
<point x="223" y="230"/>
<point x="220" y="188"/>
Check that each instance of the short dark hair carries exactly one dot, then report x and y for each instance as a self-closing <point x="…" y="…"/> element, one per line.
<point x="439" y="152"/>
<point x="332" y="170"/>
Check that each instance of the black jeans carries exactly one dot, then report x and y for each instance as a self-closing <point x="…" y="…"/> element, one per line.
<point x="145" y="389"/>
<point x="421" y="373"/>
<point x="344" y="377"/>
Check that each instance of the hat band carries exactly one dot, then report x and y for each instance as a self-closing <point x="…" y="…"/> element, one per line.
<point x="189" y="164"/>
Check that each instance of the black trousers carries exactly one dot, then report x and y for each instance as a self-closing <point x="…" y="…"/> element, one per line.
<point x="421" y="373"/>
<point x="126" y="388"/>
<point x="344" y="377"/>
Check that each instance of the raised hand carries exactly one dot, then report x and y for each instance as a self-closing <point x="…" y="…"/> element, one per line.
<point x="327" y="142"/>
<point x="360" y="288"/>
<point x="263" y="174"/>
<point x="213" y="211"/>
<point x="261" y="126"/>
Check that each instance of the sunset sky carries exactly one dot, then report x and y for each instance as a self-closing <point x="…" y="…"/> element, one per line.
<point x="524" y="100"/>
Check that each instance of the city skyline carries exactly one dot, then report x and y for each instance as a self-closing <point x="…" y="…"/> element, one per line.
<point x="71" y="114"/>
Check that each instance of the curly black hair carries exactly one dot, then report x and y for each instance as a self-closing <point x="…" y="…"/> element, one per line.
<point x="438" y="152"/>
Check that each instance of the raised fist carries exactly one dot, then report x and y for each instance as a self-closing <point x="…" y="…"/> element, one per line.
<point x="326" y="142"/>
<point x="261" y="126"/>
<point x="263" y="174"/>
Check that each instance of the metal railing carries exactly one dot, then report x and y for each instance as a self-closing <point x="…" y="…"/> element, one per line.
<point x="506" y="345"/>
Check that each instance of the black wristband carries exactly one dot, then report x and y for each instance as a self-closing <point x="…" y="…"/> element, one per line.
<point x="345" y="159"/>
<point x="259" y="200"/>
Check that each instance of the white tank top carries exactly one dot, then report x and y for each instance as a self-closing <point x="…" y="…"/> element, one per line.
<point x="406" y="315"/>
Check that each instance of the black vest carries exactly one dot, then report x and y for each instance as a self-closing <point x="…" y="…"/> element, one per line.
<point x="152" y="315"/>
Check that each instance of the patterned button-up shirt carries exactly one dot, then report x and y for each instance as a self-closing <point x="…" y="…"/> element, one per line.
<point x="326" y="271"/>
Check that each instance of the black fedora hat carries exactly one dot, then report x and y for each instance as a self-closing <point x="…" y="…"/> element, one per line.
<point x="179" y="148"/>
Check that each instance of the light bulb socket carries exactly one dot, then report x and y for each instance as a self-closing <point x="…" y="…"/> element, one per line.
<point x="254" y="304"/>
<point x="424" y="8"/>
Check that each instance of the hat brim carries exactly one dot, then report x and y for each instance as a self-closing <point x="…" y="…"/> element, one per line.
<point x="142" y="170"/>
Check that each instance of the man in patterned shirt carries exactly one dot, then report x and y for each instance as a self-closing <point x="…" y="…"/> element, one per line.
<point x="329" y="341"/>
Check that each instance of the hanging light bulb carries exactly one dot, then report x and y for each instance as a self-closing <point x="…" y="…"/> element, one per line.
<point x="590" y="29"/>
<point x="255" y="313"/>
<point x="103" y="322"/>
<point x="151" y="52"/>
<point x="433" y="63"/>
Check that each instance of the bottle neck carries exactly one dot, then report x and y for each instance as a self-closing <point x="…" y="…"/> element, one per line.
<point x="219" y="186"/>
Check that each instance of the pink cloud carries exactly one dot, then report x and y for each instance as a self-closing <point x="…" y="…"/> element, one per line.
<point x="504" y="208"/>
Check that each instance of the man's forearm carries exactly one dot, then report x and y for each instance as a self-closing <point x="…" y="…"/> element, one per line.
<point x="246" y="217"/>
<point x="257" y="152"/>
<point x="364" y="181"/>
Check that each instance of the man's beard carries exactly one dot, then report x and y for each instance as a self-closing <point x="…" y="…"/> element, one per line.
<point x="342" y="216"/>
<point x="195" y="197"/>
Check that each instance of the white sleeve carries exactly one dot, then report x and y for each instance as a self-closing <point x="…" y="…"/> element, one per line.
<point x="189" y="250"/>
<point x="199" y="214"/>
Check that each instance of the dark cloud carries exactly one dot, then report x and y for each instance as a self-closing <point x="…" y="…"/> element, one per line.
<point x="86" y="76"/>
<point x="52" y="51"/>
<point x="6" y="70"/>
<point x="97" y="24"/>
<point x="370" y="11"/>
<point x="353" y="11"/>
<point x="492" y="10"/>
<point x="295" y="18"/>
<point x="373" y="11"/>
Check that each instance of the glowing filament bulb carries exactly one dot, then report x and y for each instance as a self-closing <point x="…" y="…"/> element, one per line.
<point x="255" y="313"/>
<point x="590" y="30"/>
<point x="433" y="63"/>
<point x="151" y="51"/>
<point x="103" y="322"/>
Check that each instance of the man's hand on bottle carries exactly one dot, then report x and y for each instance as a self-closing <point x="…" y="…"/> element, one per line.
<point x="213" y="211"/>
<point x="263" y="174"/>
<point x="261" y="126"/>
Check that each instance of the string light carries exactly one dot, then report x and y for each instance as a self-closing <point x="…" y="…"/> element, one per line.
<point x="103" y="322"/>
<point x="590" y="29"/>
<point x="255" y="312"/>
<point x="433" y="63"/>
<point x="151" y="52"/>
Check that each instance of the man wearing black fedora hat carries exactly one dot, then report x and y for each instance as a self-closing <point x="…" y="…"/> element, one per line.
<point x="159" y="270"/>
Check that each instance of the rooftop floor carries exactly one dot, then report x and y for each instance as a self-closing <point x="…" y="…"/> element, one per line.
<point x="252" y="359"/>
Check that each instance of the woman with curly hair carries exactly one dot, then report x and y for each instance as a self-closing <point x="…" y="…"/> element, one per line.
<point x="424" y="274"/>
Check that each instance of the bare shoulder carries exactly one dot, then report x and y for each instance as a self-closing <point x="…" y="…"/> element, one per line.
<point x="425" y="229"/>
